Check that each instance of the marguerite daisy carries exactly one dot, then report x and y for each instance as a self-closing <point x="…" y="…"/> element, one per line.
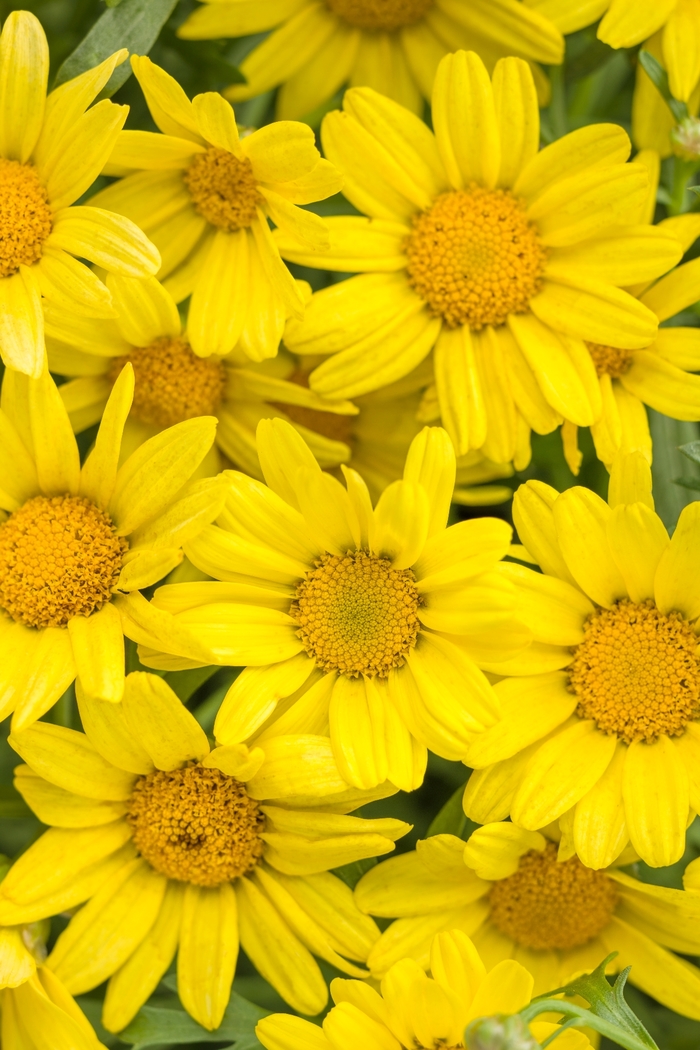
<point x="72" y="538"/>
<point x="51" y="151"/>
<point x="415" y="1011"/>
<point x="203" y="193"/>
<point x="176" y="847"/>
<point x="503" y="258"/>
<point x="509" y="890"/>
<point x="601" y="716"/>
<point x="370" y="622"/>
<point x="393" y="46"/>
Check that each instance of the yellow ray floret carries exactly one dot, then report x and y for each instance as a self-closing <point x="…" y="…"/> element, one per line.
<point x="204" y="194"/>
<point x="52" y="148"/>
<point x="176" y="847"/>
<point x="415" y="1011"/>
<point x="393" y="46"/>
<point x="601" y="717"/>
<point x="73" y="539"/>
<point x="504" y="259"/>
<point x="371" y="623"/>
<point x="519" y="896"/>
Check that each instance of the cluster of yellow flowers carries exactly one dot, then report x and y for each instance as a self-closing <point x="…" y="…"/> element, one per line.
<point x="283" y="465"/>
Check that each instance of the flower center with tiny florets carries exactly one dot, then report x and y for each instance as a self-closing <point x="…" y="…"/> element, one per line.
<point x="328" y="424"/>
<point x="171" y="383"/>
<point x="60" y="557"/>
<point x="356" y="614"/>
<point x="196" y="825"/>
<point x="548" y="904"/>
<point x="474" y="257"/>
<point x="610" y="360"/>
<point x="379" y="14"/>
<point x="636" y="673"/>
<point x="223" y="188"/>
<point x="25" y="216"/>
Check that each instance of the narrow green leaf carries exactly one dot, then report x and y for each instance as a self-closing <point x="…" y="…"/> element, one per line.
<point x="669" y="436"/>
<point x="451" y="819"/>
<point x="659" y="78"/>
<point x="134" y="24"/>
<point x="167" y="1023"/>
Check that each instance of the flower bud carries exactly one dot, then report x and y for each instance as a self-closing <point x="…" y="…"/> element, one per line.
<point x="685" y="139"/>
<point x="500" y="1033"/>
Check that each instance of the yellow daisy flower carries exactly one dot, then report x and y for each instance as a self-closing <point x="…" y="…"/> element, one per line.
<point x="51" y="150"/>
<point x="204" y="195"/>
<point x="393" y="46"/>
<point x="414" y="1010"/>
<point x="370" y="623"/>
<point x="257" y="831"/>
<point x="601" y="716"/>
<point x="626" y="23"/>
<point x="508" y="889"/>
<point x="503" y="258"/>
<point x="652" y="120"/>
<point x="173" y="384"/>
<point x="72" y="538"/>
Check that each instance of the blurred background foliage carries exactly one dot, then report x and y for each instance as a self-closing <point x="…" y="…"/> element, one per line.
<point x="594" y="84"/>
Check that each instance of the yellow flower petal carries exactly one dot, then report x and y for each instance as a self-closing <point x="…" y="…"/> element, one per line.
<point x="459" y="389"/>
<point x="655" y="794"/>
<point x="581" y="518"/>
<point x="254" y="695"/>
<point x="640" y="254"/>
<point x="676" y="585"/>
<point x="17" y="964"/>
<point x="138" y="977"/>
<point x="674" y="292"/>
<point x="464" y="118"/>
<point x="98" y="651"/>
<point x="68" y="759"/>
<point x="99" y="472"/>
<point x="625" y="26"/>
<point x="104" y="933"/>
<point x="22" y="322"/>
<point x="169" y="105"/>
<point x="296" y="765"/>
<point x="70" y="285"/>
<point x="600" y="830"/>
<point x="208" y="952"/>
<point x="47" y="672"/>
<point x="216" y="122"/>
<point x="560" y="773"/>
<point x="63" y="809"/>
<point x="493" y="852"/>
<point x="289" y="1032"/>
<point x="24" y="71"/>
<point x="518" y="117"/>
<point x="160" y="723"/>
<point x="85" y="149"/>
<point x="592" y="146"/>
<point x="637" y="539"/>
<point x="506" y="989"/>
<point x="109" y="240"/>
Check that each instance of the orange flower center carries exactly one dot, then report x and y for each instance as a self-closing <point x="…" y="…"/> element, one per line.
<point x="25" y="216"/>
<point x="223" y="189"/>
<point x="171" y="383"/>
<point x="196" y="825"/>
<point x="385" y="15"/>
<point x="548" y="904"/>
<point x="60" y="557"/>
<point x="474" y="257"/>
<point x="610" y="360"/>
<point x="356" y="614"/>
<point x="636" y="673"/>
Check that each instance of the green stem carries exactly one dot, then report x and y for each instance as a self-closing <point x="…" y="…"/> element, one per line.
<point x="682" y="172"/>
<point x="580" y="1016"/>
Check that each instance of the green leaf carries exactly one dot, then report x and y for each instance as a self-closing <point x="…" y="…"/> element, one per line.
<point x="451" y="819"/>
<point x="671" y="440"/>
<point x="608" y="1011"/>
<point x="691" y="450"/>
<point x="134" y="24"/>
<point x="167" y="1023"/>
<point x="659" y="78"/>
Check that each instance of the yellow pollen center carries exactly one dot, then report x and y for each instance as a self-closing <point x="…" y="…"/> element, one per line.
<point x="196" y="825"/>
<point x="385" y="15"/>
<point x="610" y="360"/>
<point x="59" y="557"/>
<point x="474" y="257"/>
<point x="25" y="216"/>
<point x="356" y="614"/>
<point x="636" y="673"/>
<point x="547" y="904"/>
<point x="327" y="424"/>
<point x="171" y="383"/>
<point x="223" y="188"/>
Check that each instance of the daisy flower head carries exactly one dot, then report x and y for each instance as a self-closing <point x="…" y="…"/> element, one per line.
<point x="173" y="384"/>
<point x="369" y="623"/>
<point x="73" y="538"/>
<point x="502" y="258"/>
<point x="521" y="898"/>
<point x="51" y="150"/>
<point x="258" y="829"/>
<point x="204" y="194"/>
<point x="393" y="46"/>
<point x="601" y="716"/>
<point x="415" y="1011"/>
